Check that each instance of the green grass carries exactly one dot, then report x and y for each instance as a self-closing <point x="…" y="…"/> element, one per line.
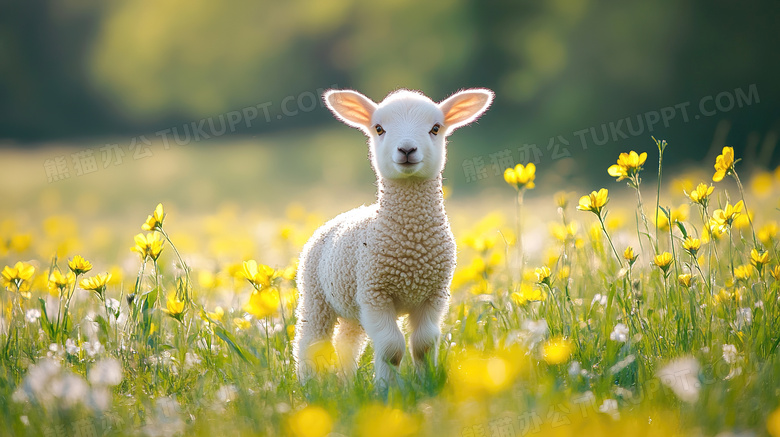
<point x="502" y="371"/>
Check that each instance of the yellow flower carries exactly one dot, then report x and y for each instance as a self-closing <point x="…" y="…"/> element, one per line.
<point x="19" y="276"/>
<point x="768" y="233"/>
<point x="543" y="275"/>
<point x="742" y="273"/>
<point x="154" y="222"/>
<point x="594" y="201"/>
<point x="564" y="272"/>
<point x="759" y="260"/>
<point x="563" y="233"/>
<point x="562" y="199"/>
<point x="527" y="293"/>
<point x="557" y="350"/>
<point x="148" y="246"/>
<point x="692" y="245"/>
<point x="383" y="421"/>
<point x="263" y="303"/>
<point x="663" y="261"/>
<point x="629" y="255"/>
<point x="723" y="218"/>
<point x="678" y="215"/>
<point x="773" y="423"/>
<point x="312" y="421"/>
<point x="685" y="280"/>
<point x="96" y="283"/>
<point x="217" y="314"/>
<point x="521" y="176"/>
<point x="701" y="194"/>
<point x="79" y="265"/>
<point x="628" y="165"/>
<point x="59" y="282"/>
<point x="242" y="323"/>
<point x="775" y="272"/>
<point x="175" y="307"/>
<point x="724" y="164"/>
<point x="258" y="275"/>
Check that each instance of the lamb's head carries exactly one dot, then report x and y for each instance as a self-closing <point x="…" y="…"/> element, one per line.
<point x="407" y="130"/>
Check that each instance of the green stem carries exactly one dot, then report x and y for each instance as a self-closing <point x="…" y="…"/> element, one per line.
<point x="747" y="212"/>
<point x="603" y="228"/>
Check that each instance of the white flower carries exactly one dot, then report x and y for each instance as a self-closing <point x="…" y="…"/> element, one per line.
<point x="730" y="353"/>
<point x="71" y="347"/>
<point x="536" y="330"/>
<point x="744" y="317"/>
<point x="227" y="393"/>
<point x="32" y="315"/>
<point x="619" y="333"/>
<point x="682" y="376"/>
<point x="191" y="359"/>
<point x="112" y="304"/>
<point x="106" y="372"/>
<point x="574" y="369"/>
<point x="600" y="299"/>
<point x="93" y="348"/>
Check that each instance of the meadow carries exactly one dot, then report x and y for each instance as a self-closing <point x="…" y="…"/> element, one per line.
<point x="646" y="306"/>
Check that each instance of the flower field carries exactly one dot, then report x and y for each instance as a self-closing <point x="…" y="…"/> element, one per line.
<point x="630" y="309"/>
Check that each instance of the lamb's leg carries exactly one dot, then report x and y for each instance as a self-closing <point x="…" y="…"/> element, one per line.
<point x="316" y="320"/>
<point x="350" y="340"/>
<point x="380" y="323"/>
<point x="425" y="324"/>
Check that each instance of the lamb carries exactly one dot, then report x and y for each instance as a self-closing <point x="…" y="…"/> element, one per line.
<point x="367" y="267"/>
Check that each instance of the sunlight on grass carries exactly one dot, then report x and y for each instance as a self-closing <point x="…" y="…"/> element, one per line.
<point x="658" y="325"/>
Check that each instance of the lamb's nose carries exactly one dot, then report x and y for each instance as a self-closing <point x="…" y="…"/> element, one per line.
<point x="407" y="150"/>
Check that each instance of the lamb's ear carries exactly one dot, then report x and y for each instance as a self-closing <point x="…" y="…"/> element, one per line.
<point x="465" y="106"/>
<point x="351" y="107"/>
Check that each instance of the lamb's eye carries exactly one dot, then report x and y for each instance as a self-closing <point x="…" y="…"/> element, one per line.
<point x="379" y="129"/>
<point x="435" y="129"/>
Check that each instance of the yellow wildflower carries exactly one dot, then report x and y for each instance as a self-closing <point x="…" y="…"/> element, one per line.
<point x="96" y="283"/>
<point x="59" y="282"/>
<point x="723" y="218"/>
<point x="759" y="260"/>
<point x="543" y="275"/>
<point x="79" y="265"/>
<point x="724" y="164"/>
<point x="19" y="276"/>
<point x="557" y="350"/>
<point x="692" y="245"/>
<point x="562" y="199"/>
<point x="383" y="421"/>
<point x="685" y="280"/>
<point x="677" y="215"/>
<point x="148" y="246"/>
<point x="664" y="261"/>
<point x="775" y="272"/>
<point x="629" y="255"/>
<point x="528" y="293"/>
<point x="263" y="303"/>
<point x="217" y="314"/>
<point x="564" y="272"/>
<point x="767" y="233"/>
<point x="241" y="323"/>
<point x="594" y="201"/>
<point x="312" y="421"/>
<point x="174" y="307"/>
<point x="773" y="422"/>
<point x="628" y="165"/>
<point x="154" y="222"/>
<point x="521" y="176"/>
<point x="701" y="194"/>
<point x="563" y="233"/>
<point x="742" y="273"/>
<point x="258" y="275"/>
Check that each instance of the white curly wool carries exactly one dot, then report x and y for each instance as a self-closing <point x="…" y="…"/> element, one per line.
<point x="369" y="266"/>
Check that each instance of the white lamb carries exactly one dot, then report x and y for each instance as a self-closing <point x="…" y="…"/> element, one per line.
<point x="369" y="266"/>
